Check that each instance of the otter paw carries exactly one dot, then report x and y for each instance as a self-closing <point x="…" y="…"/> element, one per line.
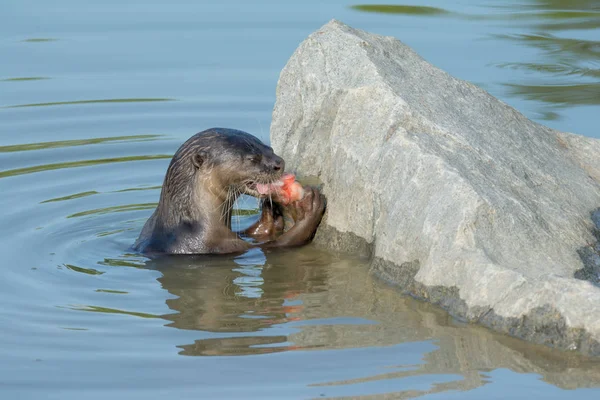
<point x="270" y="223"/>
<point x="309" y="212"/>
<point x="311" y="206"/>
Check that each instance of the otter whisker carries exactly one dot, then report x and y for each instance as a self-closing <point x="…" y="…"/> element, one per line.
<point x="237" y="216"/>
<point x="222" y="207"/>
<point x="232" y="194"/>
<point x="230" y="204"/>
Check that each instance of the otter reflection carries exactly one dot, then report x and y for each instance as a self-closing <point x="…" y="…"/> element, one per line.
<point x="242" y="296"/>
<point x="306" y="299"/>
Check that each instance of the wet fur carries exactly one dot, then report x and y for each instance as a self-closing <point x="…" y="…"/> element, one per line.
<point x="205" y="176"/>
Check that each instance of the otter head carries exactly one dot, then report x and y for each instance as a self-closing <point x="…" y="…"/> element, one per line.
<point x="231" y="161"/>
<point x="216" y="166"/>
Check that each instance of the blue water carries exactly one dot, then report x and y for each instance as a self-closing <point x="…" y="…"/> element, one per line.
<point x="94" y="99"/>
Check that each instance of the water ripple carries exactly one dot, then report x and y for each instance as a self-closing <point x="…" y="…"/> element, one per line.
<point x="114" y="209"/>
<point x="82" y="163"/>
<point x="71" y="196"/>
<point x="24" y="79"/>
<point x="39" y="40"/>
<point x="400" y="9"/>
<point x="64" y="103"/>
<point x="76" y="142"/>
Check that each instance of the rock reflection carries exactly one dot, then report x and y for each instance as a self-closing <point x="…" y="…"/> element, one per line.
<point x="306" y="300"/>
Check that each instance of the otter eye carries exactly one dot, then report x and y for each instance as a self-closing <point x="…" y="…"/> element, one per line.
<point x="199" y="158"/>
<point x="254" y="159"/>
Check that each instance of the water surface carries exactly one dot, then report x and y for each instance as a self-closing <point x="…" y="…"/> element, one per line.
<point x="95" y="97"/>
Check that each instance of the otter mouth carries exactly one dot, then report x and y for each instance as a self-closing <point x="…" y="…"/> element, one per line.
<point x="262" y="190"/>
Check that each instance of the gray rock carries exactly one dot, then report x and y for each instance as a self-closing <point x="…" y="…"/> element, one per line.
<point x="458" y="198"/>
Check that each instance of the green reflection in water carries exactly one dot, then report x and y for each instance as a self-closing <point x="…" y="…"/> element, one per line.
<point x="107" y="310"/>
<point x="591" y="5"/>
<point x="549" y="116"/>
<point x="142" y="206"/>
<point x="28" y="78"/>
<point x="557" y="69"/>
<point x="562" y="95"/>
<point x="70" y="197"/>
<point x="568" y="72"/>
<point x="400" y="9"/>
<point x="566" y="68"/>
<point x="89" y="271"/>
<point x="40" y="40"/>
<point x="65" y="103"/>
<point x="108" y="233"/>
<point x="82" y="163"/>
<point x="568" y="76"/>
<point x="76" y="142"/>
<point x="566" y="14"/>
<point x="140" y="188"/>
<point x="561" y="49"/>
<point x="135" y="262"/>
<point x="111" y="291"/>
<point x="107" y="210"/>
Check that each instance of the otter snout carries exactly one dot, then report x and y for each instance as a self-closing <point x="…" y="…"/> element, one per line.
<point x="275" y="163"/>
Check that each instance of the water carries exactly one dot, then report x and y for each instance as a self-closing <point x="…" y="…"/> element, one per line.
<point x="94" y="99"/>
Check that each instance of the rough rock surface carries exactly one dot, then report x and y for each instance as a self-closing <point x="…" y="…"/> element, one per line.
<point x="457" y="197"/>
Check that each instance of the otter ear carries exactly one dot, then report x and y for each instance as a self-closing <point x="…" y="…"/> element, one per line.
<point x="199" y="158"/>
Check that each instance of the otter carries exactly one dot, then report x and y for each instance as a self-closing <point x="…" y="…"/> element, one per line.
<point x="204" y="178"/>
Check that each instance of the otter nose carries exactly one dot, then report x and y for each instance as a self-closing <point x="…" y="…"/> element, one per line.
<point x="278" y="164"/>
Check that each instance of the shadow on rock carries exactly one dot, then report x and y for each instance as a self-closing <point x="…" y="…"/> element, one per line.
<point x="590" y="255"/>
